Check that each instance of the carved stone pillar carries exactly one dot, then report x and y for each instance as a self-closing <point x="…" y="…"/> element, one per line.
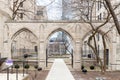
<point x="113" y="55"/>
<point x="77" y="56"/>
<point x="6" y="43"/>
<point x="77" y="50"/>
<point x="41" y="48"/>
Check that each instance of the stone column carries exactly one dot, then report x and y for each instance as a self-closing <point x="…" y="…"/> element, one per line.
<point x="2" y="24"/>
<point x="113" y="54"/>
<point x="77" y="56"/>
<point x="1" y="36"/>
<point x="42" y="55"/>
<point x="7" y="49"/>
<point x="41" y="48"/>
<point x="77" y="50"/>
<point x="6" y="43"/>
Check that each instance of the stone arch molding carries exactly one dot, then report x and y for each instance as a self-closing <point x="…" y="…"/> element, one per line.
<point x="59" y="29"/>
<point x="19" y="31"/>
<point x="5" y="14"/>
<point x="101" y="32"/>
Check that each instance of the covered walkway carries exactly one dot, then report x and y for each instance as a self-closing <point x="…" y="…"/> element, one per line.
<point x="59" y="71"/>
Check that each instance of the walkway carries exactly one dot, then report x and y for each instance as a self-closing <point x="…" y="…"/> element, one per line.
<point x="59" y="71"/>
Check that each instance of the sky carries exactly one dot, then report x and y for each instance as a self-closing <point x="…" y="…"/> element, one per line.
<point x="54" y="10"/>
<point x="43" y="2"/>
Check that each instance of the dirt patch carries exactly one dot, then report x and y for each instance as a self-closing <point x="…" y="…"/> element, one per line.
<point x="93" y="75"/>
<point x="40" y="75"/>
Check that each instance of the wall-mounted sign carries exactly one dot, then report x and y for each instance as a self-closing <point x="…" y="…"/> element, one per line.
<point x="9" y="62"/>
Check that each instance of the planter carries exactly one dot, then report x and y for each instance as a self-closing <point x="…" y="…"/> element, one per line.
<point x="82" y="67"/>
<point x="39" y="69"/>
<point x="36" y="66"/>
<point x="84" y="71"/>
<point x="17" y="66"/>
<point x="25" y="55"/>
<point x="26" y="66"/>
<point x="92" y="67"/>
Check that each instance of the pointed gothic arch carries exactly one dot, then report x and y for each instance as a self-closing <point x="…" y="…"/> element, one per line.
<point x="66" y="33"/>
<point x="60" y="29"/>
<point x="87" y="52"/>
<point x="5" y="14"/>
<point x="21" y="30"/>
<point x="23" y="42"/>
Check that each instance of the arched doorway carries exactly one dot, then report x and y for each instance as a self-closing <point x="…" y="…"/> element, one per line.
<point x="24" y="42"/>
<point x="59" y="46"/>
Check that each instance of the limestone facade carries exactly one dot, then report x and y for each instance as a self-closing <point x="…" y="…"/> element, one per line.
<point x="42" y="30"/>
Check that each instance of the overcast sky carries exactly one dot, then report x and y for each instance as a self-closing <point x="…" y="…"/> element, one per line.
<point x="43" y="2"/>
<point x="54" y="10"/>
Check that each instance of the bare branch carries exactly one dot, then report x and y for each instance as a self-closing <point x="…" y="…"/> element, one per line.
<point x="108" y="3"/>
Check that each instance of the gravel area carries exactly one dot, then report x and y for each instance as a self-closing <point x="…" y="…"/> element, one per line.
<point x="78" y="75"/>
<point x="40" y="75"/>
<point x="93" y="75"/>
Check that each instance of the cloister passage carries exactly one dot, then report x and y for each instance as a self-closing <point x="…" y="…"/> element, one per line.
<point x="48" y="41"/>
<point x="59" y="46"/>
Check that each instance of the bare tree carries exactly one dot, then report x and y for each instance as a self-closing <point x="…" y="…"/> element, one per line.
<point x="95" y="28"/>
<point x="18" y="9"/>
<point x="67" y="45"/>
<point x="105" y="52"/>
<point x="94" y="48"/>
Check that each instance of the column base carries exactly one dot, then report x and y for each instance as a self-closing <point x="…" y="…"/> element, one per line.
<point x="77" y="66"/>
<point x="42" y="64"/>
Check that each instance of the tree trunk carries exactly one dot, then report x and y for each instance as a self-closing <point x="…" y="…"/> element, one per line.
<point x="104" y="44"/>
<point x="97" y="60"/>
<point x="108" y="3"/>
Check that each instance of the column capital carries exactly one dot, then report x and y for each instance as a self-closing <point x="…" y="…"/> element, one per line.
<point x="41" y="41"/>
<point x="78" y="42"/>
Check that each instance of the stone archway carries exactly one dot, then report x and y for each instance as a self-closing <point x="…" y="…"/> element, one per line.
<point x="60" y="45"/>
<point x="23" y="42"/>
<point x="43" y="30"/>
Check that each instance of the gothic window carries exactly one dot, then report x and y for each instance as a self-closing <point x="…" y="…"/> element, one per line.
<point x="21" y="15"/>
<point x="24" y="42"/>
<point x="40" y="13"/>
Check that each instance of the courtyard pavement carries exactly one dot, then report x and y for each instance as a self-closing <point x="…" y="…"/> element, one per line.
<point x="59" y="71"/>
